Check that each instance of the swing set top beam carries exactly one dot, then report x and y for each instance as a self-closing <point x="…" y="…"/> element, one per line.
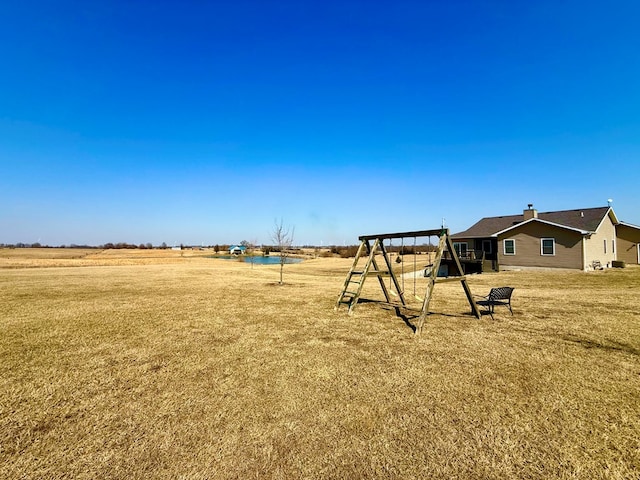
<point x="418" y="233"/>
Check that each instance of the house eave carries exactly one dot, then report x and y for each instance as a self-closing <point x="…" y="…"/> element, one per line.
<point x="455" y="237"/>
<point x="610" y="213"/>
<point x="629" y="225"/>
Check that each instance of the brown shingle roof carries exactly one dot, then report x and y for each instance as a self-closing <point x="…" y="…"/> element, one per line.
<point x="581" y="219"/>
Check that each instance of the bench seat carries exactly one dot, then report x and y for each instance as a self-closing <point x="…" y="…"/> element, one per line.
<point x="497" y="296"/>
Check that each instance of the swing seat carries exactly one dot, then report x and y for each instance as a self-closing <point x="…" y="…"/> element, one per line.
<point x="427" y="270"/>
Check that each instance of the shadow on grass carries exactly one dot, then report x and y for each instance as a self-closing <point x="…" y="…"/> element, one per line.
<point x="410" y="315"/>
<point x="611" y="345"/>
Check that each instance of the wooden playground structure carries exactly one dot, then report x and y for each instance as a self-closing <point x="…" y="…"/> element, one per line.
<point x="374" y="258"/>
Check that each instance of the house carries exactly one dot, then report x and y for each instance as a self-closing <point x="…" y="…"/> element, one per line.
<point x="237" y="249"/>
<point x="579" y="239"/>
<point x="628" y="243"/>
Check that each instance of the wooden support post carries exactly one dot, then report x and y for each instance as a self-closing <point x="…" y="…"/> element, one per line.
<point x="392" y="275"/>
<point x="465" y="286"/>
<point x="430" y="284"/>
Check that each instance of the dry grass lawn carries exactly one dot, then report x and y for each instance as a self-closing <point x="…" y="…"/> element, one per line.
<point x="136" y="365"/>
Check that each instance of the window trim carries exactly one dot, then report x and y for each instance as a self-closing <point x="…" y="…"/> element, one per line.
<point x="504" y="246"/>
<point x="553" y="247"/>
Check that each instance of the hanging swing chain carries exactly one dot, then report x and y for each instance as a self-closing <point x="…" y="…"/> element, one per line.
<point x="430" y="250"/>
<point x="390" y="263"/>
<point x="415" y="273"/>
<point x="402" y="262"/>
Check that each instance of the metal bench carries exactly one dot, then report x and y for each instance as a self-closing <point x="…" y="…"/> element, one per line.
<point x="497" y="296"/>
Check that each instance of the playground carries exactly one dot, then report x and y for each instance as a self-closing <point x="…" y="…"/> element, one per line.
<point x="373" y="259"/>
<point x="155" y="365"/>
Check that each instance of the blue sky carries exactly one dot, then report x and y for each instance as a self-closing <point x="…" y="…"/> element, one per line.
<point x="202" y="122"/>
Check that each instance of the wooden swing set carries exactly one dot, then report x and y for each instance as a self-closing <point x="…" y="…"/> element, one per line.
<point x="366" y="263"/>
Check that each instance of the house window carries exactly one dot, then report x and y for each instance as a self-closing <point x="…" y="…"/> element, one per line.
<point x="509" y="246"/>
<point x="461" y="248"/>
<point x="548" y="246"/>
<point x="613" y="246"/>
<point x="486" y="246"/>
<point x="605" y="245"/>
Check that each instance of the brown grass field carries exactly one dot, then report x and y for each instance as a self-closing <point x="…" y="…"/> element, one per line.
<point x="164" y="364"/>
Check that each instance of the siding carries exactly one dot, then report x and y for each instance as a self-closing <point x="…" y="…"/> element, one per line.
<point x="627" y="248"/>
<point x="527" y="238"/>
<point x="595" y="244"/>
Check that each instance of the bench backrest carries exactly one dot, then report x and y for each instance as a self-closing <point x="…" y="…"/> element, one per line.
<point x="501" y="293"/>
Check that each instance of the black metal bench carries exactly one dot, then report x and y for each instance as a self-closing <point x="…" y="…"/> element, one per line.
<point x="497" y="296"/>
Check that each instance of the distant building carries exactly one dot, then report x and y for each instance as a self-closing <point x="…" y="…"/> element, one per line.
<point x="237" y="250"/>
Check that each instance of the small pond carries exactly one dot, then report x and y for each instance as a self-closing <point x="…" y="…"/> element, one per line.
<point x="258" y="260"/>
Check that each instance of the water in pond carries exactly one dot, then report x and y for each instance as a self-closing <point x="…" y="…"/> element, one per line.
<point x="270" y="260"/>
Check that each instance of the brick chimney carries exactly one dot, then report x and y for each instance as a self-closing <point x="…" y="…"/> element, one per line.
<point x="530" y="212"/>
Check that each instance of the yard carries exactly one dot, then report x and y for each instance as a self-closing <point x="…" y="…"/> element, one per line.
<point x="164" y="364"/>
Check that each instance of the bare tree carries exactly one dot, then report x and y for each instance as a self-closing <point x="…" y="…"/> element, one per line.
<point x="250" y="249"/>
<point x="283" y="238"/>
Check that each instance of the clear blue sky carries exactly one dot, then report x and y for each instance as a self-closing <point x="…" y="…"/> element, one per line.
<point x="205" y="121"/>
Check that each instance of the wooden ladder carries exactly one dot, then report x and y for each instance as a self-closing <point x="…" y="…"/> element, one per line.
<point x="433" y="275"/>
<point x="354" y="282"/>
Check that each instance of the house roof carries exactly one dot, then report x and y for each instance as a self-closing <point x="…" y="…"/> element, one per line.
<point x="582" y="219"/>
<point x="630" y="225"/>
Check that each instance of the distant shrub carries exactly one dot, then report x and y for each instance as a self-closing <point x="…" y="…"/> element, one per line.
<point x="346" y="252"/>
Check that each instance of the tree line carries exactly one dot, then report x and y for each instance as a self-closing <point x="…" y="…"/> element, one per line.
<point x="84" y="246"/>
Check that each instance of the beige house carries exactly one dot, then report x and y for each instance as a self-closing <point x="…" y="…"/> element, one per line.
<point x="580" y="239"/>
<point x="628" y="243"/>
